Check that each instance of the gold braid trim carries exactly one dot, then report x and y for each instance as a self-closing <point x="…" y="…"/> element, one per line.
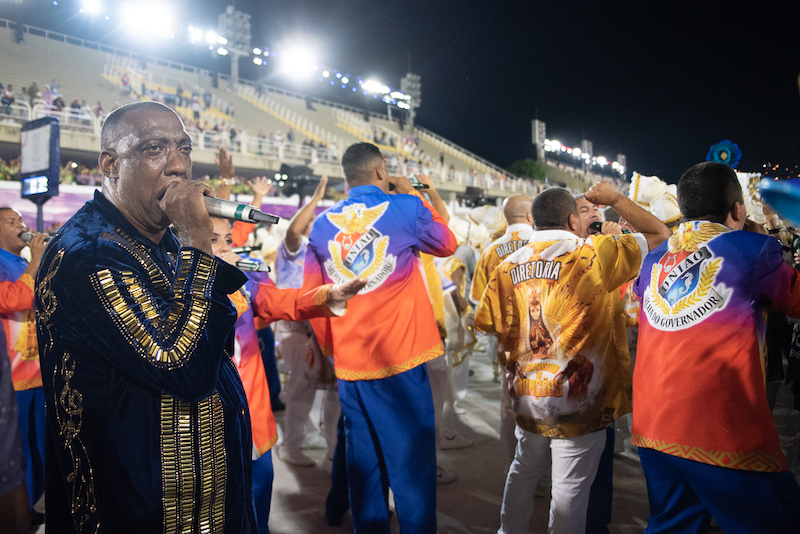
<point x="433" y="352"/>
<point x="762" y="462"/>
<point x="657" y="299"/>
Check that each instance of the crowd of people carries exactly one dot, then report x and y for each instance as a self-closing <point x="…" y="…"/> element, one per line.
<point x="145" y="371"/>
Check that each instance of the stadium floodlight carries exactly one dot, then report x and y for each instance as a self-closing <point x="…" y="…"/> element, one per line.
<point x="615" y="166"/>
<point x="257" y="51"/>
<point x="397" y="95"/>
<point x="577" y="152"/>
<point x="258" y="61"/>
<point x="325" y="73"/>
<point x="403" y="105"/>
<point x="221" y="40"/>
<point x="602" y="161"/>
<point x="297" y="62"/>
<point x="195" y="34"/>
<point x="345" y="79"/>
<point x="148" y="19"/>
<point x="222" y="51"/>
<point x="91" y="6"/>
<point x="211" y="37"/>
<point x="375" y="87"/>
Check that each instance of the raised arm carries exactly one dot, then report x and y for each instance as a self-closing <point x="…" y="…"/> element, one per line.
<point x="227" y="174"/>
<point x="433" y="194"/>
<point x="303" y="217"/>
<point x="18" y="295"/>
<point x="654" y="231"/>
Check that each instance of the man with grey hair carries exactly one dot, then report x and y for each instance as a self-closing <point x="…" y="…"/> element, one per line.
<point x="568" y="368"/>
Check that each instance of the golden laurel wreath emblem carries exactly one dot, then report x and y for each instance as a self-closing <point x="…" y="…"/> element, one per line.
<point x="695" y="297"/>
<point x="381" y="245"/>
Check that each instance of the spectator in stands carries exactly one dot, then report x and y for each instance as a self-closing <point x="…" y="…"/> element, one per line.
<point x="54" y="87"/>
<point x="207" y="100"/>
<point x="47" y="95"/>
<point x="98" y="110"/>
<point x="86" y="113"/>
<point x="8" y="99"/>
<point x="290" y="136"/>
<point x="22" y="97"/>
<point x="179" y="95"/>
<point x="33" y="90"/>
<point x="143" y="90"/>
<point x="75" y="110"/>
<point x="158" y="96"/>
<point x="58" y="104"/>
<point x="39" y="100"/>
<point x="196" y="107"/>
<point x="126" y="84"/>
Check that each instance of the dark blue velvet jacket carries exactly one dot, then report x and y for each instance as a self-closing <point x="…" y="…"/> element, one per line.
<point x="147" y="419"/>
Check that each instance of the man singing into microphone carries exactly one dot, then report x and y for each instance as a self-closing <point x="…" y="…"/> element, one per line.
<point x="16" y="313"/>
<point x="148" y="428"/>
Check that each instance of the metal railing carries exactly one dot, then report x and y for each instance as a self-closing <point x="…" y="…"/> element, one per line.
<point x="455" y="148"/>
<point x="92" y="45"/>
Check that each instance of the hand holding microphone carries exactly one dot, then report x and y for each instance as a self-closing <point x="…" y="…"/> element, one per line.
<point x="227" y="209"/>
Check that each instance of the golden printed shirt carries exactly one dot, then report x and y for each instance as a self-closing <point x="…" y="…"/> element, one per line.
<point x="516" y="237"/>
<point x="555" y="305"/>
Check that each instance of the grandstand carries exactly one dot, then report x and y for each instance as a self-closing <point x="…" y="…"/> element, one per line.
<point x="261" y="116"/>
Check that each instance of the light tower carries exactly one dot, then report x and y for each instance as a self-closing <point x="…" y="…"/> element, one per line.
<point x="411" y="85"/>
<point x="235" y="26"/>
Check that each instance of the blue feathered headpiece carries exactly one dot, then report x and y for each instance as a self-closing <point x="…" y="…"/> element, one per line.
<point x="726" y="152"/>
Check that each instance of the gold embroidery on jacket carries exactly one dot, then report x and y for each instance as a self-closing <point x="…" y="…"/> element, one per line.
<point x="178" y="467"/>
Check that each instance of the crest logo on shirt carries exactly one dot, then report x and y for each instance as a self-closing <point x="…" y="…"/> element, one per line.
<point x="359" y="249"/>
<point x="682" y="291"/>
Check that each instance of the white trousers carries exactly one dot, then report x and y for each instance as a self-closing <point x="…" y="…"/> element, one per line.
<point x="293" y="345"/>
<point x="574" y="466"/>
<point x="508" y="425"/>
<point x="443" y="403"/>
<point x="331" y="410"/>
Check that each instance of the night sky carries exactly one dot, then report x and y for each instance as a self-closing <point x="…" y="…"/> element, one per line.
<point x="657" y="81"/>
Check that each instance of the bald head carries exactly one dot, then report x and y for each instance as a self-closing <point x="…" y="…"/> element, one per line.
<point x="116" y="127"/>
<point x="517" y="209"/>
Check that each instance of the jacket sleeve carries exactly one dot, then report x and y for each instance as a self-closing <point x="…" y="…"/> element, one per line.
<point x="479" y="279"/>
<point x="497" y="313"/>
<point x="273" y="304"/>
<point x="241" y="231"/>
<point x="16" y="296"/>
<point x="433" y="235"/>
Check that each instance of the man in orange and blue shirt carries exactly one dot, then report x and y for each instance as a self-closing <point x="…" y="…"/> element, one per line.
<point x="701" y="418"/>
<point x="16" y="313"/>
<point x="380" y="345"/>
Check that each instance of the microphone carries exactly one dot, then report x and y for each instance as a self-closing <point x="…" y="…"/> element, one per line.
<point x="27" y="236"/>
<point x="244" y="250"/>
<point x="597" y="227"/>
<point x="252" y="266"/>
<point x="226" y="209"/>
